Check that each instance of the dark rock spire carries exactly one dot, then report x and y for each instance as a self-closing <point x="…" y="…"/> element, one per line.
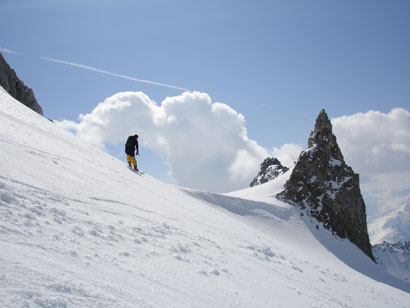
<point x="271" y="168"/>
<point x="322" y="183"/>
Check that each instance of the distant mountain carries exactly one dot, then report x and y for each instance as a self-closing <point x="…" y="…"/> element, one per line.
<point x="389" y="229"/>
<point x="391" y="222"/>
<point x="395" y="258"/>
<point x="16" y="88"/>
<point x="271" y="168"/>
<point x="327" y="188"/>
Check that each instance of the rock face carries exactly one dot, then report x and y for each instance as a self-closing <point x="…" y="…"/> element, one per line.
<point x="327" y="188"/>
<point x="16" y="88"/>
<point x="271" y="168"/>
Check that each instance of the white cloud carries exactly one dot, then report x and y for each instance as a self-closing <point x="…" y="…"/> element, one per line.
<point x="205" y="144"/>
<point x="287" y="154"/>
<point x="377" y="145"/>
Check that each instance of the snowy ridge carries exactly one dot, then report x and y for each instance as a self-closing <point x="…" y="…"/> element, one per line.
<point x="395" y="258"/>
<point x="392" y="220"/>
<point x="78" y="229"/>
<point x="390" y="232"/>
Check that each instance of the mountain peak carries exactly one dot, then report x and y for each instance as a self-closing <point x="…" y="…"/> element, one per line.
<point x="322" y="138"/>
<point x="323" y="127"/>
<point x="322" y="183"/>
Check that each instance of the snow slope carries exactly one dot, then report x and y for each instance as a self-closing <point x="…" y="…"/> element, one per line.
<point x="79" y="229"/>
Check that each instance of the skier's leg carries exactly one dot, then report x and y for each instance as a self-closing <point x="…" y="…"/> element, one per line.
<point x="134" y="162"/>
<point x="129" y="159"/>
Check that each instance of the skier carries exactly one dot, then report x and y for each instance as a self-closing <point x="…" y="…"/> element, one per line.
<point x="130" y="146"/>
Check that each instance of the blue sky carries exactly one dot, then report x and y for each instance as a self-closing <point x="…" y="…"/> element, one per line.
<point x="278" y="63"/>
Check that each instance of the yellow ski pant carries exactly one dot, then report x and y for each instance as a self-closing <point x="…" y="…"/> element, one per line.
<point x="131" y="159"/>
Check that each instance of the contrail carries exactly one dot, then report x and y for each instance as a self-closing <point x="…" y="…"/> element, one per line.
<point x="6" y="50"/>
<point x="113" y="74"/>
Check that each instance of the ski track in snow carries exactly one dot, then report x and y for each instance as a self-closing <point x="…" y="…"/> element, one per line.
<point x="77" y="229"/>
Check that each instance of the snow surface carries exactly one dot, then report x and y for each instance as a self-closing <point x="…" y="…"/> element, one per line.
<point x="79" y="229"/>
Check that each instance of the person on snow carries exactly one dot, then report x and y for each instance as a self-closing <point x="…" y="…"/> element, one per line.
<point x="130" y="146"/>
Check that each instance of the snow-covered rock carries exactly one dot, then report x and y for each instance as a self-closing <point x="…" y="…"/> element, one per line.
<point x="271" y="168"/>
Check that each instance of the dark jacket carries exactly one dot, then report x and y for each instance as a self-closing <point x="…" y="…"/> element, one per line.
<point x="131" y="145"/>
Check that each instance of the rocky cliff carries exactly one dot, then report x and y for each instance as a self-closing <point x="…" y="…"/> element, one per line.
<point x="271" y="168"/>
<point x="16" y="88"/>
<point x="327" y="188"/>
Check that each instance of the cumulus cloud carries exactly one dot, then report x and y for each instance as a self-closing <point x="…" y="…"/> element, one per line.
<point x="205" y="144"/>
<point x="287" y="154"/>
<point x="377" y="145"/>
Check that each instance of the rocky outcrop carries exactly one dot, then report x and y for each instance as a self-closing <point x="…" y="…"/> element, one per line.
<point x="327" y="188"/>
<point x="16" y="88"/>
<point x="271" y="168"/>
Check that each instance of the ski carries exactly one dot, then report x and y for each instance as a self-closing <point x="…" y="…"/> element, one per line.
<point x="136" y="171"/>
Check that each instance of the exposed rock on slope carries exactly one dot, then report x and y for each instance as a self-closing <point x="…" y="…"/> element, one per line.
<point x="271" y="168"/>
<point x="322" y="183"/>
<point x="16" y="88"/>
